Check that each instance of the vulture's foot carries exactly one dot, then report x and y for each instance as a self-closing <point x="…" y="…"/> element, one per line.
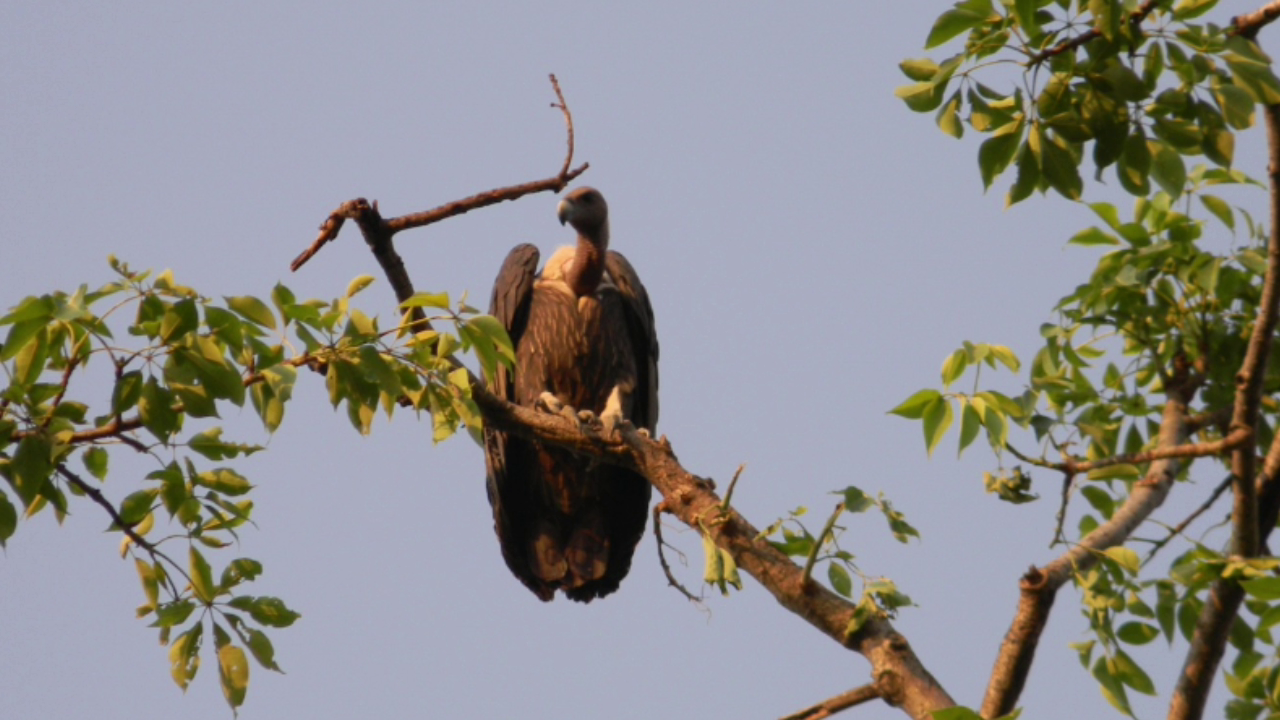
<point x="552" y="404"/>
<point x="611" y="419"/>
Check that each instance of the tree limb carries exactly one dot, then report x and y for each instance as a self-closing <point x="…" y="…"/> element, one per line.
<point x="1248" y="24"/>
<point x="1039" y="586"/>
<point x="1214" y="623"/>
<point x="1237" y="438"/>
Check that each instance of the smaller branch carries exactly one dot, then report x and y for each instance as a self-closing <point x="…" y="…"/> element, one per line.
<point x="568" y="121"/>
<point x="99" y="498"/>
<point x="658" y="509"/>
<point x="1090" y="35"/>
<point x="1248" y="24"/>
<point x="1062" y="509"/>
<point x="806" y="578"/>
<point x="62" y="388"/>
<point x="831" y="706"/>
<point x="1236" y="439"/>
<point x="728" y="495"/>
<point x="1180" y="527"/>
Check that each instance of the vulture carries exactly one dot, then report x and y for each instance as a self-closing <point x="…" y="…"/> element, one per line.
<point x="584" y="343"/>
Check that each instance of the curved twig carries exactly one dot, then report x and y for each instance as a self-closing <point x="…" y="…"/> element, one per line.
<point x="831" y="706"/>
<point x="361" y="208"/>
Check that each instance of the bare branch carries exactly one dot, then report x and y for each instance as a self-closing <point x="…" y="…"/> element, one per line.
<point x="1180" y="527"/>
<point x="378" y="231"/>
<point x="1039" y="586"/>
<point x="831" y="706"/>
<point x="807" y="575"/>
<point x="658" y="509"/>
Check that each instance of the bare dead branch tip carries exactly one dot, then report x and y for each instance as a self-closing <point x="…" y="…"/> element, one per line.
<point x="378" y="232"/>
<point x="831" y="706"/>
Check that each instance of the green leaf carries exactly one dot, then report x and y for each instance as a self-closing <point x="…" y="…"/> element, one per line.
<point x="856" y="501"/>
<point x="1137" y="633"/>
<point x="233" y="672"/>
<point x="964" y="16"/>
<point x="840" y="580"/>
<point x="923" y="96"/>
<point x="240" y="570"/>
<point x="948" y="118"/>
<point x="954" y="366"/>
<point x="1190" y="9"/>
<point x="1106" y="17"/>
<point x="1024" y="11"/>
<point x="184" y="656"/>
<point x="1219" y="145"/>
<point x="19" y="335"/>
<point x="1255" y="77"/>
<point x="1093" y="236"/>
<point x="224" y="480"/>
<point x="937" y="418"/>
<point x="956" y="713"/>
<point x="260" y="645"/>
<point x="211" y="445"/>
<point x="996" y="152"/>
<point x="252" y="309"/>
<point x="31" y="467"/>
<point x="1125" y="558"/>
<point x="1168" y="169"/>
<point x="179" y="319"/>
<point x="357" y="284"/>
<point x="155" y="407"/>
<point x="1267" y="588"/>
<point x="127" y="390"/>
<point x="8" y="519"/>
<point x="95" y="461"/>
<point x="1220" y="209"/>
<point x="1028" y="177"/>
<point x="435" y="300"/>
<point x="1129" y="673"/>
<point x="201" y="577"/>
<point x="1112" y="688"/>
<point x="970" y="424"/>
<point x="1059" y="168"/>
<point x="173" y="613"/>
<point x="136" y="506"/>
<point x="269" y="611"/>
<point x="1135" y="165"/>
<point x="913" y="407"/>
<point x="1236" y="103"/>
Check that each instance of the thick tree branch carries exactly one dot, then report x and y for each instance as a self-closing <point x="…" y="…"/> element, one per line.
<point x="899" y="675"/>
<point x="831" y="706"/>
<point x="1039" y="586"/>
<point x="1248" y="24"/>
<point x="1214" y="623"/>
<point x="376" y="229"/>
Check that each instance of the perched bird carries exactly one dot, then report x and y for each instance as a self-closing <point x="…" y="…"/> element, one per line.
<point x="584" y="344"/>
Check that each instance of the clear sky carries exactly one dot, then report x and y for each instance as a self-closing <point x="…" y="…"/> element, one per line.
<point x="813" y="250"/>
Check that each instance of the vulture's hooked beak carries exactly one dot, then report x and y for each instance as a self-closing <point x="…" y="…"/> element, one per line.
<point x="564" y="211"/>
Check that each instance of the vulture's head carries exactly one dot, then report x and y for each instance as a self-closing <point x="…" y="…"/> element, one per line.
<point x="584" y="208"/>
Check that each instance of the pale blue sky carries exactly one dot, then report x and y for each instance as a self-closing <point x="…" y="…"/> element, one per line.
<point x="812" y="248"/>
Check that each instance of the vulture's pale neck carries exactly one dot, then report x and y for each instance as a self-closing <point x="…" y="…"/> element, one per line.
<point x="588" y="260"/>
